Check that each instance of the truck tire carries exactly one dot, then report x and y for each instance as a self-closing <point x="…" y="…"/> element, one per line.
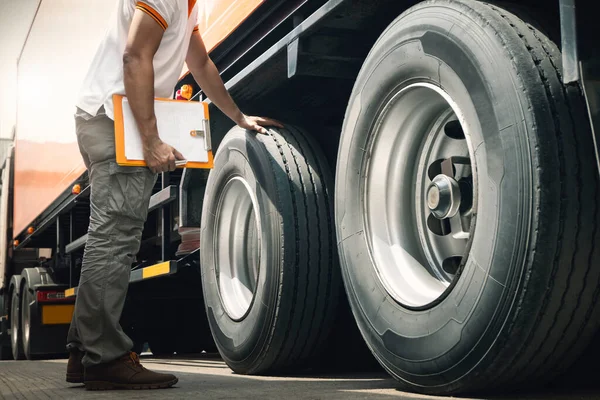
<point x="194" y="339"/>
<point x="5" y="347"/>
<point x="269" y="272"/>
<point x="467" y="202"/>
<point x="161" y="340"/>
<point x="15" y="326"/>
<point x="40" y="340"/>
<point x="5" y="353"/>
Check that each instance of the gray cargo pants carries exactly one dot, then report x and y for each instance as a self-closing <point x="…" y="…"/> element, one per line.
<point x="119" y="207"/>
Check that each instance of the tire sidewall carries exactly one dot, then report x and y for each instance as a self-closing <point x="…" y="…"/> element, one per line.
<point x="466" y="63"/>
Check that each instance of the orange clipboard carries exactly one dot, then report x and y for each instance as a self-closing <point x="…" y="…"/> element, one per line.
<point x="195" y="138"/>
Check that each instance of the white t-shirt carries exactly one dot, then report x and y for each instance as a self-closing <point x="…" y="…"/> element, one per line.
<point x="178" y="18"/>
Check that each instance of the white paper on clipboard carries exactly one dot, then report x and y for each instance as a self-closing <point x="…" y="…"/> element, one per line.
<point x="175" y="121"/>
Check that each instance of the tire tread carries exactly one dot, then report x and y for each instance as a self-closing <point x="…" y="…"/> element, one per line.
<point x="312" y="306"/>
<point x="544" y="353"/>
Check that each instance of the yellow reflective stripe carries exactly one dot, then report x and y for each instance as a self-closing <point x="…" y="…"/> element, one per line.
<point x="70" y="292"/>
<point x="156" y="270"/>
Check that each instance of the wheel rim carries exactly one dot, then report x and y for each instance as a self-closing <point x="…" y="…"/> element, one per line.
<point x="419" y="195"/>
<point x="25" y="321"/>
<point x="14" y="323"/>
<point x="237" y="249"/>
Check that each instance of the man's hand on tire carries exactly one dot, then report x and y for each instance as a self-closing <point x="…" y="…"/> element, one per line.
<point x="257" y="123"/>
<point x="160" y="157"/>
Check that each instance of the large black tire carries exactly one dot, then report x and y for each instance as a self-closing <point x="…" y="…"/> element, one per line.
<point x="194" y="337"/>
<point x="287" y="316"/>
<point x="15" y="326"/>
<point x="162" y="335"/>
<point x="523" y="302"/>
<point x="5" y="348"/>
<point x="5" y="353"/>
<point x="39" y="340"/>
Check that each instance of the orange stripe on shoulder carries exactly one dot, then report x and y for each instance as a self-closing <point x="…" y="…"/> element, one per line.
<point x="196" y="28"/>
<point x="153" y="13"/>
<point x="191" y="4"/>
<point x="154" y="18"/>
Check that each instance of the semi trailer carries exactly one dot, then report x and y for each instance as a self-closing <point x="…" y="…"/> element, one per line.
<point x="432" y="201"/>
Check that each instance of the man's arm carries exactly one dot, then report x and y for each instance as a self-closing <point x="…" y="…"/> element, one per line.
<point x="145" y="35"/>
<point x="205" y="73"/>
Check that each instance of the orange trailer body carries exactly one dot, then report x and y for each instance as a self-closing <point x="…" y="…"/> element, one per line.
<point x="217" y="19"/>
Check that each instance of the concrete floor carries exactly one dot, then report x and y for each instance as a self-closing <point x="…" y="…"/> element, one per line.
<point x="209" y="378"/>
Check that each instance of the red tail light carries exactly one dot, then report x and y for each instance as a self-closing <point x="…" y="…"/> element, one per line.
<point x="46" y="297"/>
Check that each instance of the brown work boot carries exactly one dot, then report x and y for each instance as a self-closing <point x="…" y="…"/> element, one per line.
<point x="75" y="367"/>
<point x="125" y="373"/>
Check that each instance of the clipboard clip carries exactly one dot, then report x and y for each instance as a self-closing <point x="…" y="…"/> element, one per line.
<point x="203" y="134"/>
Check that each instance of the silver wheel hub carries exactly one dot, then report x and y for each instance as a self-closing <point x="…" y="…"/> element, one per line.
<point x="443" y="197"/>
<point x="419" y="194"/>
<point x="237" y="247"/>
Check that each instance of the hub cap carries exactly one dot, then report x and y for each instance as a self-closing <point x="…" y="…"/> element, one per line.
<point x="419" y="194"/>
<point x="443" y="197"/>
<point x="237" y="253"/>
